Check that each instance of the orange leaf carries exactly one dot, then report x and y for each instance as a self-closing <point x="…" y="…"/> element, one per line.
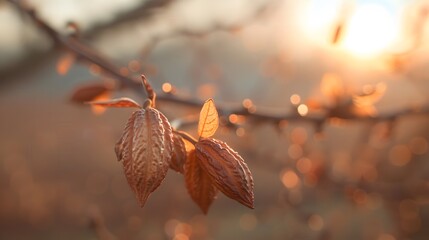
<point x="227" y="170"/>
<point x="188" y="145"/>
<point x="145" y="149"/>
<point x="65" y="62"/>
<point x="198" y="183"/>
<point x="117" y="102"/>
<point x="209" y="119"/>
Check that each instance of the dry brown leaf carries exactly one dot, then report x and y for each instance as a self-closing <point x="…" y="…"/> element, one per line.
<point x="199" y="183"/>
<point x="145" y="150"/>
<point x="117" y="102"/>
<point x="209" y="119"/>
<point x="90" y="92"/>
<point x="65" y="62"/>
<point x="178" y="156"/>
<point x="227" y="170"/>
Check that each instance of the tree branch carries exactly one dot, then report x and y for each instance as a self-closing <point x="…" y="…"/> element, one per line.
<point x="87" y="54"/>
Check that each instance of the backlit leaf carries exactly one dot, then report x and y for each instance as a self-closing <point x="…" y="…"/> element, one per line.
<point x="209" y="119"/>
<point x="188" y="145"/>
<point x="117" y="102"/>
<point x="227" y="170"/>
<point x="199" y="183"/>
<point x="145" y="150"/>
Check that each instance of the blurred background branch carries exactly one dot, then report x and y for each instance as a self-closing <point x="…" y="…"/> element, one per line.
<point x="85" y="53"/>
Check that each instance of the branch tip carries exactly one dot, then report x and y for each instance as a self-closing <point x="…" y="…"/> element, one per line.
<point x="151" y="95"/>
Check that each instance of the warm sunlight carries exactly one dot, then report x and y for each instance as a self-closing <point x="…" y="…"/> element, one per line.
<point x="364" y="28"/>
<point x="370" y="30"/>
<point x="319" y="17"/>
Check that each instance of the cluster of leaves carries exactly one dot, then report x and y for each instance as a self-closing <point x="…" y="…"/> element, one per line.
<point x="149" y="146"/>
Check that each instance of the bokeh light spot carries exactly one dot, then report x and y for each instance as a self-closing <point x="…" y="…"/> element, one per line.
<point x="167" y="87"/>
<point x="295" y="99"/>
<point x="290" y="179"/>
<point x="302" y="109"/>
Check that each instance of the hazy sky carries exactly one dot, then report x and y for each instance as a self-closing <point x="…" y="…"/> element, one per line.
<point x="18" y="38"/>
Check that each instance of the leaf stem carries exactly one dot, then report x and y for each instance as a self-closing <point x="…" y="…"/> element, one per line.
<point x="186" y="136"/>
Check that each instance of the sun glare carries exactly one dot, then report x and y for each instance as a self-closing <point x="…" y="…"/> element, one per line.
<point x="370" y="30"/>
<point x="319" y="17"/>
